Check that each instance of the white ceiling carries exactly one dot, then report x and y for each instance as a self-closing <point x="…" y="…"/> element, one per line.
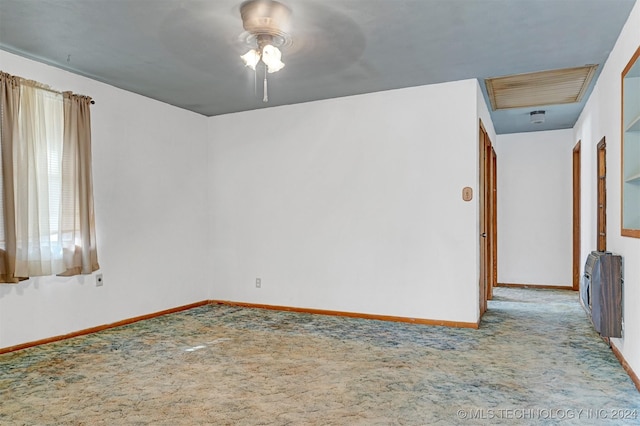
<point x="186" y="52"/>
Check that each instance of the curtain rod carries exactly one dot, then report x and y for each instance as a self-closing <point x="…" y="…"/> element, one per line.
<point x="47" y="88"/>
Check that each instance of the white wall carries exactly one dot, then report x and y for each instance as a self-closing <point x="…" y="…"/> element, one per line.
<point x="350" y="204"/>
<point x="601" y="117"/>
<point x="535" y="208"/>
<point x="484" y="115"/>
<point x="149" y="163"/>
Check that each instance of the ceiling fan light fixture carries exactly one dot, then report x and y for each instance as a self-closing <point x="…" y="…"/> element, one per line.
<point x="266" y="23"/>
<point x="271" y="56"/>
<point x="251" y="58"/>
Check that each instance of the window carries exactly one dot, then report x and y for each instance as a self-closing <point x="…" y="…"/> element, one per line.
<point x="46" y="203"/>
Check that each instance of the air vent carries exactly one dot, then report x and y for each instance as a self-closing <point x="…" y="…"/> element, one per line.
<point x="563" y="86"/>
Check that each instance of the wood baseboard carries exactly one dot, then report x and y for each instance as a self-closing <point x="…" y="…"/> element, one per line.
<point x="85" y="331"/>
<point x="457" y="324"/>
<point x="540" y="286"/>
<point x="625" y="365"/>
<point x="101" y="327"/>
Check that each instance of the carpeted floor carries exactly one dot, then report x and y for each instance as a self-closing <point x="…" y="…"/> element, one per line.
<point x="535" y="360"/>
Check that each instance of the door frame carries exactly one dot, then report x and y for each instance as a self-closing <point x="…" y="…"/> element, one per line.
<point x="493" y="241"/>
<point x="487" y="208"/>
<point x="577" y="209"/>
<point x="601" y="212"/>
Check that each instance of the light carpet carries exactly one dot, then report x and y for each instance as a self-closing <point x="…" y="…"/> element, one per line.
<point x="535" y="360"/>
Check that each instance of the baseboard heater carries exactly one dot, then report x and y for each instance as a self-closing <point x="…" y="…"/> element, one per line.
<point x="601" y="292"/>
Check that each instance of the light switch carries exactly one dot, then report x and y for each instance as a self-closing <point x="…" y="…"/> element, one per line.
<point x="467" y="193"/>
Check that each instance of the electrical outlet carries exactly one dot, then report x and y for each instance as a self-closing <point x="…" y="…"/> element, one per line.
<point x="99" y="281"/>
<point x="258" y="283"/>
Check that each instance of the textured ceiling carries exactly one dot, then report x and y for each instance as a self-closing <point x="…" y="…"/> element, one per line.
<point x="186" y="52"/>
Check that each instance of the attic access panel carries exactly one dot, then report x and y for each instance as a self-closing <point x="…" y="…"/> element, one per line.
<point x="553" y="87"/>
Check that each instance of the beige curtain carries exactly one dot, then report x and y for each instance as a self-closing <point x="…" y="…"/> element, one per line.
<point x="48" y="224"/>
<point x="37" y="174"/>
<point x="78" y="217"/>
<point x="9" y="102"/>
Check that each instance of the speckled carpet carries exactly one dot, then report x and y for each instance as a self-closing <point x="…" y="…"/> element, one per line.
<point x="535" y="360"/>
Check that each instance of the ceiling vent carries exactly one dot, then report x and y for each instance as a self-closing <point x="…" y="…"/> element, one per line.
<point x="536" y="117"/>
<point x="553" y="87"/>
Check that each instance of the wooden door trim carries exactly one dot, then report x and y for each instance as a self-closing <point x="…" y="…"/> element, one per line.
<point x="487" y="188"/>
<point x="601" y="173"/>
<point x="494" y="221"/>
<point x="482" y="282"/>
<point x="577" y="184"/>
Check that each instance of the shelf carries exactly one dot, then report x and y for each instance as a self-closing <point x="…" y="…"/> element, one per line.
<point x="633" y="178"/>
<point x="630" y="158"/>
<point x="634" y="126"/>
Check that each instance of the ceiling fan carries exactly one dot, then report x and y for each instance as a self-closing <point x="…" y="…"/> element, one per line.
<point x="267" y="24"/>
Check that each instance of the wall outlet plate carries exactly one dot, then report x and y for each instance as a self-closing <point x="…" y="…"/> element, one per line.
<point x="258" y="283"/>
<point x="99" y="280"/>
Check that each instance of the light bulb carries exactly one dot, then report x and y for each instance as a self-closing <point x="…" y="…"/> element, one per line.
<point x="271" y="57"/>
<point x="251" y="59"/>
